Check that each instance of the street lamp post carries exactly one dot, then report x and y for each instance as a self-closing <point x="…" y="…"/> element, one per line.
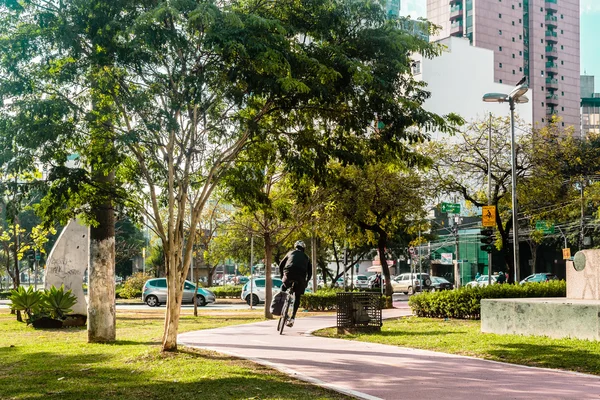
<point x="517" y="96"/>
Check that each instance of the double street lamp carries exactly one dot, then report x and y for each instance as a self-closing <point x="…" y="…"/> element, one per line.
<point x="517" y="96"/>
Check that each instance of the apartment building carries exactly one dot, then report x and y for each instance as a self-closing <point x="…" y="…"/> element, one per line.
<point x="538" y="39"/>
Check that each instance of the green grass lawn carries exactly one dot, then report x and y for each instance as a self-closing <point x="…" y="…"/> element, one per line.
<point x="464" y="337"/>
<point x="60" y="364"/>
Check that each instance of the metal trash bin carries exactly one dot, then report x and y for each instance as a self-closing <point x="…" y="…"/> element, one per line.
<point x="358" y="312"/>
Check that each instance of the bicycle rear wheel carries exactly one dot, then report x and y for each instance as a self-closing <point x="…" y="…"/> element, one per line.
<point x="284" y="316"/>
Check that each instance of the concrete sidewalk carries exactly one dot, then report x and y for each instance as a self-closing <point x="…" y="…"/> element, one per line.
<point x="375" y="371"/>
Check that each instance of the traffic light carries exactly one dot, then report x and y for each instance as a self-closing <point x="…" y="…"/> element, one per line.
<point x="487" y="239"/>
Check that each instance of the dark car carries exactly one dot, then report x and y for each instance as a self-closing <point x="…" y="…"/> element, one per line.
<point x="439" y="283"/>
<point x="540" y="277"/>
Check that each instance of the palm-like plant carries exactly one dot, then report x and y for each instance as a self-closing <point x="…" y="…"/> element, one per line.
<point x="58" y="302"/>
<point x="26" y="300"/>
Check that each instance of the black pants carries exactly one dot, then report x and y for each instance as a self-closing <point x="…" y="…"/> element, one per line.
<point x="299" y="288"/>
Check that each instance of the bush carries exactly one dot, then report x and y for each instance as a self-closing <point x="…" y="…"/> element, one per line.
<point x="228" y="291"/>
<point x="133" y="286"/>
<point x="4" y="295"/>
<point x="53" y="303"/>
<point x="326" y="300"/>
<point x="465" y="303"/>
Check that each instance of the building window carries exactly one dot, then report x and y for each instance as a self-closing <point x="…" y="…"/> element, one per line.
<point x="520" y="69"/>
<point x="520" y="37"/>
<point x="416" y="68"/>
<point x="514" y="72"/>
<point x="562" y="78"/>
<point x="542" y="73"/>
<point x="500" y="80"/>
<point x="562" y="47"/>
<point x="541" y="25"/>
<point x="562" y="109"/>
<point x="562" y="93"/>
<point x="500" y="65"/>
<point x="513" y="39"/>
<point x="563" y="124"/>
<point x="562" y="32"/>
<point x="541" y="40"/>
<point x="542" y="104"/>
<point x="500" y="48"/>
<point x="542" y="119"/>
<point x="542" y="88"/>
<point x="520" y="53"/>
<point x="513" y="23"/>
<point x="520" y="21"/>
<point x="542" y="9"/>
<point x="513" y="55"/>
<point x="513" y="6"/>
<point x="542" y="56"/>
<point x="562" y="63"/>
<point x="562" y="16"/>
<point x="499" y="15"/>
<point x="499" y="31"/>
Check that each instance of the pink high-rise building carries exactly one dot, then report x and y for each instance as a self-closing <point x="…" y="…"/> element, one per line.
<point x="538" y="39"/>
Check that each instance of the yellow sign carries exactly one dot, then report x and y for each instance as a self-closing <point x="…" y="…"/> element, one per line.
<point x="488" y="215"/>
<point x="566" y="254"/>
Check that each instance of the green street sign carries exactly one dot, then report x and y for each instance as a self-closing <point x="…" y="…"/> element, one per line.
<point x="451" y="208"/>
<point x="545" y="227"/>
<point x="38" y="256"/>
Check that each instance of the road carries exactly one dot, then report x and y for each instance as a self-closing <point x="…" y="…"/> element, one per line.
<point x="400" y="301"/>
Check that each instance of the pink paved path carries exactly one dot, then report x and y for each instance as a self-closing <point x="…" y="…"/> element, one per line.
<point x="375" y="371"/>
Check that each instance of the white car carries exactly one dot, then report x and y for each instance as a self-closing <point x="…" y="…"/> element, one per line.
<point x="482" y="281"/>
<point x="361" y="281"/>
<point x="258" y="290"/>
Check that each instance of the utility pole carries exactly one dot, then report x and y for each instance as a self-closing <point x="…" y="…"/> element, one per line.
<point x="457" y="279"/>
<point x="490" y="192"/>
<point x="251" y="268"/>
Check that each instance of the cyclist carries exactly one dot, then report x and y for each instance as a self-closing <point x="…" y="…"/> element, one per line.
<point x="295" y="267"/>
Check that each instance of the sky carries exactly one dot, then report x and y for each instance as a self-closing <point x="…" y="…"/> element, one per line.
<point x="590" y="32"/>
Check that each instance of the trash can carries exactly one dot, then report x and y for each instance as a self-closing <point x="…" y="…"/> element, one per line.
<point x="358" y="312"/>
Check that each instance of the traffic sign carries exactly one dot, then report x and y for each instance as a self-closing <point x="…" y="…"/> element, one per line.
<point x="38" y="256"/>
<point x="451" y="208"/>
<point x="545" y="227"/>
<point x="488" y="216"/>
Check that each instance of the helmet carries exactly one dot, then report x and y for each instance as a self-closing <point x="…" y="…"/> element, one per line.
<point x="300" y="245"/>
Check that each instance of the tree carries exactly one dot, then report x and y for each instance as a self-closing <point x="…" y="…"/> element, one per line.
<point x="379" y="200"/>
<point x="178" y="89"/>
<point x="129" y="241"/>
<point x="461" y="167"/>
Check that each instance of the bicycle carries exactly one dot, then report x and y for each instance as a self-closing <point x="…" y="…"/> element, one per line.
<point x="287" y="307"/>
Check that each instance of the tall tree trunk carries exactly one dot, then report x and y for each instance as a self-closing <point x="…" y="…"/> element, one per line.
<point x="268" y="272"/>
<point x="17" y="273"/>
<point x="175" y="280"/>
<point x="101" y="292"/>
<point x="381" y="243"/>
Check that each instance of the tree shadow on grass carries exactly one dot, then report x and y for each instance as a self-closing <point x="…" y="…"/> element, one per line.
<point x="180" y="375"/>
<point x="548" y="356"/>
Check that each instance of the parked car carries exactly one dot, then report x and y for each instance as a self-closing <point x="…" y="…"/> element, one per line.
<point x="361" y="281"/>
<point x="540" y="277"/>
<point x="258" y="290"/>
<point x="482" y="281"/>
<point x="371" y="280"/>
<point x="154" y="293"/>
<point x="439" y="283"/>
<point x="410" y="283"/>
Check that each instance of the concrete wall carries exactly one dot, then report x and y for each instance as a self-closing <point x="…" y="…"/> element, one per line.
<point x="460" y="77"/>
<point x="552" y="317"/>
<point x="583" y="275"/>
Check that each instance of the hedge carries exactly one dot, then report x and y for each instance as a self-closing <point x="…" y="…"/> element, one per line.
<point x="326" y="300"/>
<point x="4" y="295"/>
<point x="227" y="291"/>
<point x="465" y="303"/>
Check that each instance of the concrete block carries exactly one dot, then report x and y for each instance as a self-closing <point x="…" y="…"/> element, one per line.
<point x="552" y="317"/>
<point x="68" y="261"/>
<point x="583" y="275"/>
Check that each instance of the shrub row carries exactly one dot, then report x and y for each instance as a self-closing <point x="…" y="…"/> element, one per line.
<point x="326" y="300"/>
<point x="465" y="303"/>
<point x="4" y="295"/>
<point x="227" y="291"/>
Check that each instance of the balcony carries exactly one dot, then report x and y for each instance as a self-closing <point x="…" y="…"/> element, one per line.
<point x="551" y="67"/>
<point x="552" y="83"/>
<point x="456" y="13"/>
<point x="455" y="2"/>
<point x="456" y="29"/>
<point x="552" y="99"/>
<point x="551" y="21"/>
<point x="551" y="52"/>
<point x="551" y="5"/>
<point x="550" y="112"/>
<point x="551" y="37"/>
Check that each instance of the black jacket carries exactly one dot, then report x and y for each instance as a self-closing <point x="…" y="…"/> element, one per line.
<point x="297" y="266"/>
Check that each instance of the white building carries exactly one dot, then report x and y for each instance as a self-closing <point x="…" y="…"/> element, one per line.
<point x="460" y="77"/>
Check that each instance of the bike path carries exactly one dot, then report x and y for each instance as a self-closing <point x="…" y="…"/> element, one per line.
<point x="375" y="371"/>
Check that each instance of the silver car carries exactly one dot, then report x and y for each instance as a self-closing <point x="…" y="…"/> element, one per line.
<point x="411" y="283"/>
<point x="155" y="293"/>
